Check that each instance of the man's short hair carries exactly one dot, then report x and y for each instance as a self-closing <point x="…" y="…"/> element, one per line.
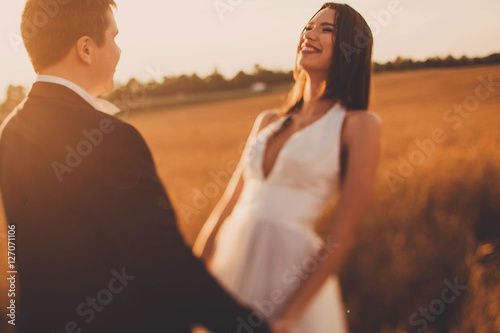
<point x="51" y="27"/>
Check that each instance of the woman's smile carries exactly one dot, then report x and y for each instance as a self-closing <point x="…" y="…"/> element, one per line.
<point x="308" y="48"/>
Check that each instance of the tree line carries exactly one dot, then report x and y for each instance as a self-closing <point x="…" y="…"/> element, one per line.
<point x="193" y="84"/>
<point x="401" y="64"/>
<point x="216" y="82"/>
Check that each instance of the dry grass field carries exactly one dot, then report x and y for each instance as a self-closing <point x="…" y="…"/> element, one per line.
<point x="435" y="215"/>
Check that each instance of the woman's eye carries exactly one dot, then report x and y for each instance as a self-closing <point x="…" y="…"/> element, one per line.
<point x="307" y="28"/>
<point x="328" y="30"/>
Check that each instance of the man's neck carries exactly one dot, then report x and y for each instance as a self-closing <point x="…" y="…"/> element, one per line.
<point x="72" y="76"/>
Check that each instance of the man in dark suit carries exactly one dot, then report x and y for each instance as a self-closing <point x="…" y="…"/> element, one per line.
<point x="98" y="248"/>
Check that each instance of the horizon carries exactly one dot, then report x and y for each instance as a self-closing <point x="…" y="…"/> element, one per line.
<point x="226" y="36"/>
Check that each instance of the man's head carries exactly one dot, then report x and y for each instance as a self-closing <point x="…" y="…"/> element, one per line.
<point x="73" y="38"/>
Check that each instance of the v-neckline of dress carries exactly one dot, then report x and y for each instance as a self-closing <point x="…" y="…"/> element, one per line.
<point x="295" y="134"/>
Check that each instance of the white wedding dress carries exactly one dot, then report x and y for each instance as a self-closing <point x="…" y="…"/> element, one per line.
<point x="266" y="248"/>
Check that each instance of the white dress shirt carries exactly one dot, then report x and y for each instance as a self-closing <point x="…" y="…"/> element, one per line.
<point x="97" y="103"/>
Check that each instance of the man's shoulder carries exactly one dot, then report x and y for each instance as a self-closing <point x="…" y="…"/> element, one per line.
<point x="55" y="121"/>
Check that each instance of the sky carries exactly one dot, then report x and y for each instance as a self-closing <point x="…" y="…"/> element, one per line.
<point x="164" y="37"/>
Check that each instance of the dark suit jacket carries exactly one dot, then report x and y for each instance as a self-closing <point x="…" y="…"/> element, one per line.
<point x="98" y="248"/>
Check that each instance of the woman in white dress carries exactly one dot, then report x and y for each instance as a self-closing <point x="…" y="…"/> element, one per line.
<point x="259" y="242"/>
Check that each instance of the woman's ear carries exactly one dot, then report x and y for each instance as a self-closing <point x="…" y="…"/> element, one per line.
<point x="84" y="49"/>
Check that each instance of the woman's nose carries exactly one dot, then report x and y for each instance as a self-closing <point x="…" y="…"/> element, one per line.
<point x="310" y="34"/>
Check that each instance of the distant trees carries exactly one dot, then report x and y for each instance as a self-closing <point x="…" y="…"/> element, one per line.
<point x="193" y="84"/>
<point x="243" y="79"/>
<point x="14" y="96"/>
<point x="401" y="64"/>
<point x="134" y="93"/>
<point x="216" y="82"/>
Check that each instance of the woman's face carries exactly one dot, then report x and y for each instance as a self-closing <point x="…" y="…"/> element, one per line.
<point x="316" y="42"/>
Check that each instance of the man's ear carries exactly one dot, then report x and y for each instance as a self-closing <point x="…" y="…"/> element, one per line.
<point x="84" y="49"/>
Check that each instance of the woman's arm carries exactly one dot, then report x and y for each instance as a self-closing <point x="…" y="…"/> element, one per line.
<point x="362" y="137"/>
<point x="204" y="244"/>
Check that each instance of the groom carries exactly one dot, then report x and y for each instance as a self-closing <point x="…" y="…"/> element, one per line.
<point x="97" y="248"/>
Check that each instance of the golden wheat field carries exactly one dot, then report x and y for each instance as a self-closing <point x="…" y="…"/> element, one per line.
<point x="435" y="213"/>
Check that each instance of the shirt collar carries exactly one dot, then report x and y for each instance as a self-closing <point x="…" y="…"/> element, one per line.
<point x="97" y="103"/>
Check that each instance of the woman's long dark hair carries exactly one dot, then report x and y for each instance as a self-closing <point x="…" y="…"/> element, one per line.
<point x="348" y="79"/>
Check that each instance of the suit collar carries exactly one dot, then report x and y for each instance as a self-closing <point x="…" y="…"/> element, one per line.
<point x="71" y="85"/>
<point x="56" y="91"/>
<point x="56" y="88"/>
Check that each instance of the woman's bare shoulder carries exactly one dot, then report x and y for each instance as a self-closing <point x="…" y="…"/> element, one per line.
<point x="361" y="126"/>
<point x="362" y="120"/>
<point x="368" y="118"/>
<point x="266" y="117"/>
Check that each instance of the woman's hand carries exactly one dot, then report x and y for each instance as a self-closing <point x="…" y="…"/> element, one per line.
<point x="200" y="245"/>
<point x="203" y="249"/>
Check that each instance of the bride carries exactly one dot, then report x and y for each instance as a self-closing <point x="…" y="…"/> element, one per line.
<point x="259" y="241"/>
